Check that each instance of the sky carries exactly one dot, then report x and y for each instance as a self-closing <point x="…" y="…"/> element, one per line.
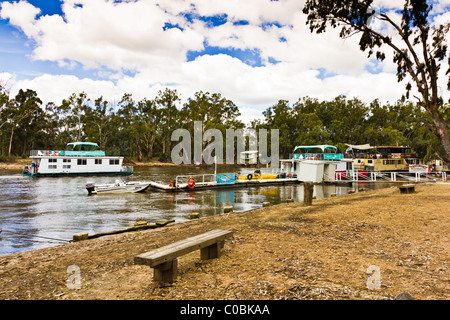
<point x="252" y="52"/>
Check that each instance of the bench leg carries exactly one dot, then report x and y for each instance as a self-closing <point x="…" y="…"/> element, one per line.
<point x="166" y="272"/>
<point x="213" y="251"/>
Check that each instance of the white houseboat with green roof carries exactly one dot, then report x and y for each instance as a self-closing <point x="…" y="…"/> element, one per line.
<point x="79" y="158"/>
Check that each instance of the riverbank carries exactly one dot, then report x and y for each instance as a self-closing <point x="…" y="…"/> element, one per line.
<point x="285" y="251"/>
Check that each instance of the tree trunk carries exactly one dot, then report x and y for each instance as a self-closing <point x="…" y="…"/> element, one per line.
<point x="441" y="130"/>
<point x="10" y="141"/>
<point x="150" y="147"/>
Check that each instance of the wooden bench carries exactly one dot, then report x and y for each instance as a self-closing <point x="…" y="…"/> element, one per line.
<point x="164" y="260"/>
<point x="407" y="188"/>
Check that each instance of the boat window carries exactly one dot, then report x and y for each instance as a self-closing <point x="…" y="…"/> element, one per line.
<point x="113" y="161"/>
<point x="98" y="161"/>
<point x="52" y="160"/>
<point x="52" y="166"/>
<point x="82" y="162"/>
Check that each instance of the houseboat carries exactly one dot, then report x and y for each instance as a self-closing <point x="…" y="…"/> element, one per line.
<point x="382" y="158"/>
<point x="79" y="158"/>
<point x="249" y="157"/>
<point x="317" y="163"/>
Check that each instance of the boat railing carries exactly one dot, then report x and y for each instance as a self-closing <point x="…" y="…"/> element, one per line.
<point x="57" y="153"/>
<point x="199" y="179"/>
<point x="43" y="153"/>
<point x="316" y="156"/>
<point x="374" y="155"/>
<point x="363" y="175"/>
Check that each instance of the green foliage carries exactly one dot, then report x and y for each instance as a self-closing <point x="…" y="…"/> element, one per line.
<point x="342" y="121"/>
<point x="142" y="129"/>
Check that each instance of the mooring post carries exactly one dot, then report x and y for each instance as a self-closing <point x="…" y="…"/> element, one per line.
<point x="308" y="193"/>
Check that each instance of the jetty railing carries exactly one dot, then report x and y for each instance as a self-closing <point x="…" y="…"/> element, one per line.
<point x="199" y="179"/>
<point x="355" y="175"/>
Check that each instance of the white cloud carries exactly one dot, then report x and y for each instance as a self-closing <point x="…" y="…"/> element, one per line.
<point x="55" y="88"/>
<point x="136" y="36"/>
<point x="21" y="14"/>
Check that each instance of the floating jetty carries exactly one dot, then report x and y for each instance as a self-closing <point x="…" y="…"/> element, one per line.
<point x="216" y="181"/>
<point x="188" y="183"/>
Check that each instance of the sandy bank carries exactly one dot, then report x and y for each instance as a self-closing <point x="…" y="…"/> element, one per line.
<point x="286" y="251"/>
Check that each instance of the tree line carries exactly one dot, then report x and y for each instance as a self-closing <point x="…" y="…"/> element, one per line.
<point x="142" y="129"/>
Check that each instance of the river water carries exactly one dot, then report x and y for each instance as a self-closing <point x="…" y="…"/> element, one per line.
<point x="32" y="210"/>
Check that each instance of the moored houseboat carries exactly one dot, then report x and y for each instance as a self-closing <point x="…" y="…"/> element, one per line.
<point x="382" y="158"/>
<point x="79" y="158"/>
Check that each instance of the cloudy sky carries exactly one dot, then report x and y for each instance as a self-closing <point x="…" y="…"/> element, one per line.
<point x="253" y="52"/>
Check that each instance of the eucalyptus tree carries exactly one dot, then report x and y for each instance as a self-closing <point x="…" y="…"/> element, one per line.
<point x="281" y="116"/>
<point x="129" y="130"/>
<point x="418" y="45"/>
<point x="71" y="111"/>
<point x="20" y="112"/>
<point x="213" y="110"/>
<point x="149" y="118"/>
<point x="97" y="122"/>
<point x="167" y="101"/>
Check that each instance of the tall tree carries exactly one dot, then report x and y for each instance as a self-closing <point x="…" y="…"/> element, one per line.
<point x="21" y="110"/>
<point x="72" y="110"/>
<point x="167" y="101"/>
<point x="97" y="122"/>
<point x="418" y="47"/>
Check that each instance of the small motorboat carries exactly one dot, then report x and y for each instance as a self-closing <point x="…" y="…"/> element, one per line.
<point x="118" y="187"/>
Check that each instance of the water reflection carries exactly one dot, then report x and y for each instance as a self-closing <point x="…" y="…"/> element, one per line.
<point x="35" y="209"/>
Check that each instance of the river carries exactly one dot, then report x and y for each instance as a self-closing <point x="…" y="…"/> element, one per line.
<point x="42" y="212"/>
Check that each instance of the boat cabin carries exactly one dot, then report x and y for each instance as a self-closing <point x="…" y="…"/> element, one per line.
<point x="382" y="158"/>
<point x="78" y="158"/>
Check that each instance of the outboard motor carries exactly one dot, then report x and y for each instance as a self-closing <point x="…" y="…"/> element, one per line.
<point x="90" y="187"/>
<point x="26" y="170"/>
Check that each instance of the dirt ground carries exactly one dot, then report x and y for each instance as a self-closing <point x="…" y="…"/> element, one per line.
<point x="287" y="251"/>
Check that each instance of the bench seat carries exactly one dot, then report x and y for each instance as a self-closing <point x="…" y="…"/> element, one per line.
<point x="164" y="259"/>
<point x="407" y="188"/>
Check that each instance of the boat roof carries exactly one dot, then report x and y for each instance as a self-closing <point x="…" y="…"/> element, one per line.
<point x="321" y="146"/>
<point x="82" y="143"/>
<point x="368" y="147"/>
<point x="360" y="146"/>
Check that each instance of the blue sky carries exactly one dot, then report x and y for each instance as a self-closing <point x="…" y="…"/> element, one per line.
<point x="252" y="52"/>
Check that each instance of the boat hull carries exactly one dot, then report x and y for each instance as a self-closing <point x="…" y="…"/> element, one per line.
<point x="80" y="174"/>
<point x="130" y="187"/>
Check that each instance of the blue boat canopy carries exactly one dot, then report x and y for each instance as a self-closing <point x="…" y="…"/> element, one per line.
<point x="316" y="149"/>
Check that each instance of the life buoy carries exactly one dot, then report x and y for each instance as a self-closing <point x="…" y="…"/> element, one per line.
<point x="289" y="175"/>
<point x="316" y="157"/>
<point x="371" y="155"/>
<point x="56" y="153"/>
<point x="191" y="183"/>
<point x="249" y="176"/>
